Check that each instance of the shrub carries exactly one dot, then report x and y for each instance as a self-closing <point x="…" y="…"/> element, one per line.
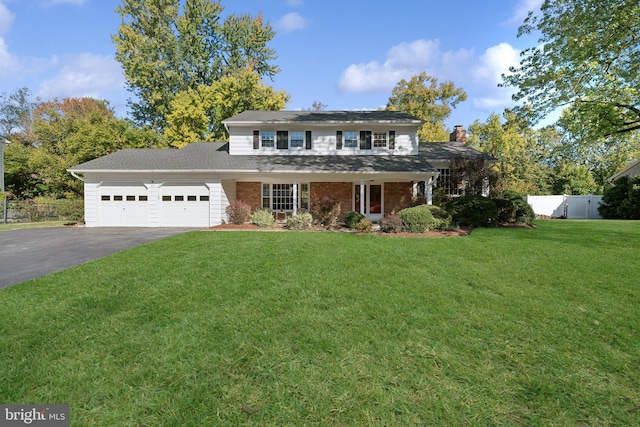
<point x="417" y="219"/>
<point x="238" y="212"/>
<point x="513" y="209"/>
<point x="441" y="218"/>
<point x="263" y="218"/>
<point x="365" y="225"/>
<point x="325" y="210"/>
<point x="473" y="211"/>
<point x="622" y="201"/>
<point x="301" y="221"/>
<point x="352" y="218"/>
<point x="391" y="224"/>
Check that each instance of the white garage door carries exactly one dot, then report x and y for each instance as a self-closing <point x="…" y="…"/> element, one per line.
<point x="123" y="206"/>
<point x="184" y="206"/>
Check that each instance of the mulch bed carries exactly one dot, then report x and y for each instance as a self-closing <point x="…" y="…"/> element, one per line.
<point x="339" y="228"/>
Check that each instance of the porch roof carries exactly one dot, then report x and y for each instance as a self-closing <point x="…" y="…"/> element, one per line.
<point x="215" y="157"/>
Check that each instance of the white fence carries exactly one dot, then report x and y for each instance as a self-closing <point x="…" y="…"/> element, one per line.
<point x="571" y="207"/>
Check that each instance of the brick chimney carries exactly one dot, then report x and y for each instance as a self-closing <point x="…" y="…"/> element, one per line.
<point x="458" y="134"/>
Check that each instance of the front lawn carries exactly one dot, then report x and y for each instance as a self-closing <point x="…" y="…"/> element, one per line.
<point x="501" y="327"/>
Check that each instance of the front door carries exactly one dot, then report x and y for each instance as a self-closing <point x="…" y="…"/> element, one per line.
<point x="372" y="201"/>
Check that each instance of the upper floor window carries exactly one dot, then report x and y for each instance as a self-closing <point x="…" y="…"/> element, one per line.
<point x="379" y="139"/>
<point x="268" y="139"/>
<point x="351" y="140"/>
<point x="296" y="139"/>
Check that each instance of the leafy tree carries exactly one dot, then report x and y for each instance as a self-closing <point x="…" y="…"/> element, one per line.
<point x="15" y="111"/>
<point x="170" y="46"/>
<point x="587" y="57"/>
<point x="64" y="133"/>
<point x="196" y="115"/>
<point x="476" y="176"/>
<point x="423" y="97"/>
<point x="517" y="148"/>
<point x="574" y="179"/>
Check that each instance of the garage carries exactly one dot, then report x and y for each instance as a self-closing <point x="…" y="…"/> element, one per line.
<point x="184" y="206"/>
<point x="123" y="206"/>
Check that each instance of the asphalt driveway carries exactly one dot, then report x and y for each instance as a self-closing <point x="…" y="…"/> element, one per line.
<point x="30" y="253"/>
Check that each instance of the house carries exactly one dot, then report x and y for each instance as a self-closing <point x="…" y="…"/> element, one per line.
<point x="631" y="171"/>
<point x="371" y="161"/>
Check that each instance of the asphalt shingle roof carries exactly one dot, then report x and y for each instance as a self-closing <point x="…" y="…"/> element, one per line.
<point x="323" y="117"/>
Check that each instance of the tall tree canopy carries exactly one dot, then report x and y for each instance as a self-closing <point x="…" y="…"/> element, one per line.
<point x="169" y="46"/>
<point x="197" y="114"/>
<point x="588" y="56"/>
<point x="423" y="97"/>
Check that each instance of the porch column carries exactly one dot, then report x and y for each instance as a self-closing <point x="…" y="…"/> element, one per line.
<point x="295" y="197"/>
<point x="428" y="187"/>
<point x="362" y="193"/>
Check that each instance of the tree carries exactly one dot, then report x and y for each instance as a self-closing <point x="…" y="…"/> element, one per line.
<point x="574" y="179"/>
<point x="423" y="97"/>
<point x="622" y="200"/>
<point x="587" y="57"/>
<point x="64" y="133"/>
<point x="15" y="111"/>
<point x="164" y="52"/>
<point x="197" y="115"/>
<point x="516" y="147"/>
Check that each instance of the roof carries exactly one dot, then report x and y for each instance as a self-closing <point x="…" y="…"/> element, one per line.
<point x="632" y="170"/>
<point x="442" y="151"/>
<point x="322" y="117"/>
<point x="215" y="157"/>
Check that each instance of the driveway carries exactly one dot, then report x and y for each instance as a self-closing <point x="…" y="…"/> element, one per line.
<point x="30" y="253"/>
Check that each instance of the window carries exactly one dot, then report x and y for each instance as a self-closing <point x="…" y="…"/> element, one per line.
<point x="178" y="198"/>
<point x="379" y="139"/>
<point x="192" y="198"/>
<point x="204" y="198"/>
<point x="105" y="198"/>
<point x="279" y="197"/>
<point x="142" y="198"/>
<point x="351" y="140"/>
<point x="166" y="198"/>
<point x="282" y="199"/>
<point x="268" y="139"/>
<point x="297" y="139"/>
<point x="117" y="198"/>
<point x="131" y="198"/>
<point x="445" y="183"/>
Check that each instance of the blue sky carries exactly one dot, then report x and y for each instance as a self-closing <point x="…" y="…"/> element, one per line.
<point x="346" y="54"/>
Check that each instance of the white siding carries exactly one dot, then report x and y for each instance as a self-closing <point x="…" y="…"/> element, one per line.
<point x="323" y="141"/>
<point x="91" y="204"/>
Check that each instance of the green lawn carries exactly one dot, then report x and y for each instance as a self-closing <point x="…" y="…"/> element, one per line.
<point x="502" y="327"/>
<point x="18" y="225"/>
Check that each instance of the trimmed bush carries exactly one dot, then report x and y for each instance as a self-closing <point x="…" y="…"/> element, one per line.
<point x="473" y="211"/>
<point x="391" y="224"/>
<point x="441" y="218"/>
<point x="513" y="209"/>
<point x="263" y="218"/>
<point x="71" y="209"/>
<point x="352" y="218"/>
<point x="417" y="219"/>
<point x="325" y="210"/>
<point x="301" y="221"/>
<point x="238" y="212"/>
<point x="365" y="225"/>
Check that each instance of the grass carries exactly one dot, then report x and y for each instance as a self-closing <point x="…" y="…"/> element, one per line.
<point x="20" y="225"/>
<point x="503" y="327"/>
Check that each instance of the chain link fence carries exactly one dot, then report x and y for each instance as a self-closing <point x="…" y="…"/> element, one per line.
<point x="34" y="211"/>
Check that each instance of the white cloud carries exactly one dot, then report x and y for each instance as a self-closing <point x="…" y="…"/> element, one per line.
<point x="84" y="75"/>
<point x="6" y="18"/>
<point x="521" y="10"/>
<point x="477" y="75"/>
<point x="291" y="22"/>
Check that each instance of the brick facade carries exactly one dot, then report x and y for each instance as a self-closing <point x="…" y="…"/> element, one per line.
<point x="343" y="191"/>
<point x="397" y="196"/>
<point x="251" y="193"/>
